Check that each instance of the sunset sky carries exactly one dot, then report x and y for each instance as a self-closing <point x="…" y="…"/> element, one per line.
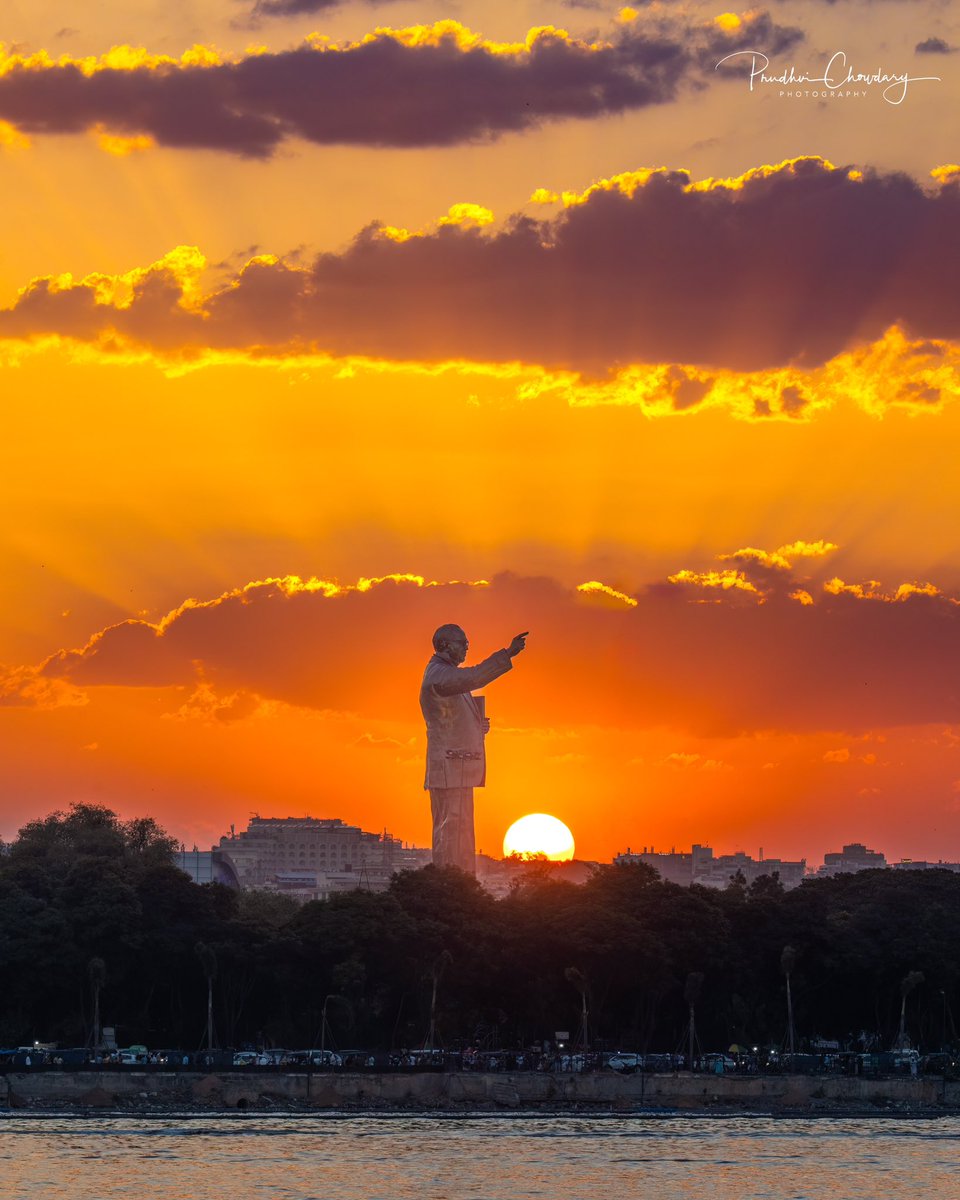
<point x="322" y="324"/>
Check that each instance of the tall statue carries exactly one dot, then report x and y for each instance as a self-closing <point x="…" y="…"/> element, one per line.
<point x="456" y="726"/>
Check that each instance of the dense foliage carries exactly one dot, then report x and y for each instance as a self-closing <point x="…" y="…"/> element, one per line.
<point x="92" y="904"/>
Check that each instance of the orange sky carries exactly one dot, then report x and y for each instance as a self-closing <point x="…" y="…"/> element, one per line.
<point x="531" y="299"/>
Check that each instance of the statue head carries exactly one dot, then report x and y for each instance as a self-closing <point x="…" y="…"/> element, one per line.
<point x="451" y="642"/>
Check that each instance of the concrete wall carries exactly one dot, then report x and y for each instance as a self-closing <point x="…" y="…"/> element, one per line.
<point x="232" y="1089"/>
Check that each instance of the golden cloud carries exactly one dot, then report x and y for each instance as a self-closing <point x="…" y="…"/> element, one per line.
<point x="593" y="588"/>
<point x="667" y="659"/>
<point x="405" y="299"/>
<point x="724" y="580"/>
<point x="870" y="590"/>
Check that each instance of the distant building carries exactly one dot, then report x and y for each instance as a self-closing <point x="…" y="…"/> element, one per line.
<point x="853" y="857"/>
<point x="206" y="866"/>
<point x="309" y="858"/>
<point x="723" y="868"/>
<point x="909" y="864"/>
<point x="673" y="866"/>
<point x="701" y="865"/>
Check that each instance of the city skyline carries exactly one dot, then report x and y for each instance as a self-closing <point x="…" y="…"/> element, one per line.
<point x="851" y="852"/>
<point x="326" y="324"/>
<point x="309" y="858"/>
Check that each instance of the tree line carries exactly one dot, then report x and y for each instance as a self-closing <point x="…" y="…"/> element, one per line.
<point x="97" y="926"/>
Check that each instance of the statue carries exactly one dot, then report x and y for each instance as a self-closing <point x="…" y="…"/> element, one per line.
<point x="456" y="726"/>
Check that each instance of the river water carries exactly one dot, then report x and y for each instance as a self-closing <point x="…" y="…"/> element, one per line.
<point x="393" y="1157"/>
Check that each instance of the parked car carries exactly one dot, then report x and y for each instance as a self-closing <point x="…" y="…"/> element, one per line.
<point x="626" y="1064"/>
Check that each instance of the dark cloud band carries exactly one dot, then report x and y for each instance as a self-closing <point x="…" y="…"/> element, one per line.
<point x="787" y="265"/>
<point x="390" y="89"/>
<point x="849" y="661"/>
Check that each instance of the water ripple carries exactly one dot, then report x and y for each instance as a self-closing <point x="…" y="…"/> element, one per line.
<point x="488" y="1157"/>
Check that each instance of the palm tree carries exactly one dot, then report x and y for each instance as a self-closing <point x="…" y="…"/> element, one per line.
<point x="208" y="961"/>
<point x="691" y="993"/>
<point x="97" y="975"/>
<point x="579" y="981"/>
<point x="440" y="964"/>
<point x="911" y="980"/>
<point x="788" y="960"/>
<point x="324" y="1023"/>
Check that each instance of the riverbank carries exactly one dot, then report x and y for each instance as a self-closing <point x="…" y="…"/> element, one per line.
<point x="474" y="1091"/>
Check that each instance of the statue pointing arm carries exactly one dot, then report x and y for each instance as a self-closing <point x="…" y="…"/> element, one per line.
<point x="456" y="726"/>
<point x="459" y="679"/>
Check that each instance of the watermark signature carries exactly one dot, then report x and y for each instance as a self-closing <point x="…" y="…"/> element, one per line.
<point x="838" y="77"/>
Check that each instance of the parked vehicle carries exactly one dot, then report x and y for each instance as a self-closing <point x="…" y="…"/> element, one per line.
<point x="626" y="1064"/>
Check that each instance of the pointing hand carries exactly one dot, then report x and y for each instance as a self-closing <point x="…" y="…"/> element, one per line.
<point x="518" y="643"/>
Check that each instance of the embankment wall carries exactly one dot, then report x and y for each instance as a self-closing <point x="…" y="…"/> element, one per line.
<point x="469" y="1090"/>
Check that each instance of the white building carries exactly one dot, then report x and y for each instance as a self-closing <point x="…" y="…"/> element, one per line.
<point x="310" y="857"/>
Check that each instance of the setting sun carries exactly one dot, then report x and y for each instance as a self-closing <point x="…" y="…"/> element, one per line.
<point x="539" y="833"/>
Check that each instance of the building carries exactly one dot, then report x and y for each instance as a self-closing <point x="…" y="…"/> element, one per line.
<point x="672" y="866"/>
<point x="724" y="867"/>
<point x="701" y="865"/>
<point x="853" y="857"/>
<point x="206" y="866"/>
<point x="308" y="858"/>
<point x="909" y="864"/>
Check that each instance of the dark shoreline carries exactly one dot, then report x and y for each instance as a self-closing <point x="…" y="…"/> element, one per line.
<point x="459" y="1094"/>
<point x="149" y="1112"/>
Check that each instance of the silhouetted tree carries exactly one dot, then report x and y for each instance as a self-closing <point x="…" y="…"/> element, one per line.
<point x="81" y="885"/>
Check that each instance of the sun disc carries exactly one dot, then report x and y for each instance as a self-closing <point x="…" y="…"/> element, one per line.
<point x="539" y="833"/>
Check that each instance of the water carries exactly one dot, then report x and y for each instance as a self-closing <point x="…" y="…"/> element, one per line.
<point x="336" y="1157"/>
